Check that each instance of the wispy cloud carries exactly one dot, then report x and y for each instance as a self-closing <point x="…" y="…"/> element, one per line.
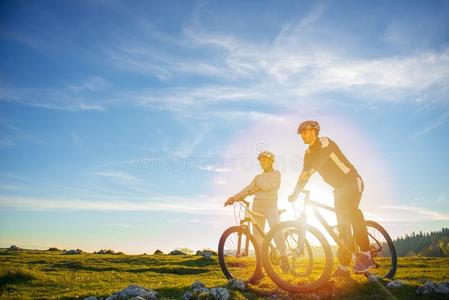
<point x="120" y="177"/>
<point x="163" y="203"/>
<point x="296" y="66"/>
<point x="188" y="144"/>
<point x="6" y="142"/>
<point x="285" y="71"/>
<point x="120" y="183"/>
<point x="413" y="213"/>
<point x="215" y="169"/>
<point x="437" y="122"/>
<point x="63" y="98"/>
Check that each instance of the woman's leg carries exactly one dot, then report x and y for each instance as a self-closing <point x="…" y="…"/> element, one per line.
<point x="258" y="222"/>
<point x="273" y="218"/>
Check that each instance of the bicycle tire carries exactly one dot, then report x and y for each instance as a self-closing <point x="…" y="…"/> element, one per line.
<point x="221" y="252"/>
<point x="392" y="249"/>
<point x="276" y="278"/>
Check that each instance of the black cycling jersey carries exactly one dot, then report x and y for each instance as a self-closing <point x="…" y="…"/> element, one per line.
<point x="325" y="157"/>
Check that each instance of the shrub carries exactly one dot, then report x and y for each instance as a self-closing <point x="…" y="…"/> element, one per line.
<point x="15" y="276"/>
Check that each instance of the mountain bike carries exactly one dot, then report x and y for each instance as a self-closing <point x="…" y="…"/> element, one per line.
<point x="310" y="255"/>
<point x="238" y="254"/>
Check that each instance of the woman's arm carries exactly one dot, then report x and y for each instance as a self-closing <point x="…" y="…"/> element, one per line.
<point x="250" y="189"/>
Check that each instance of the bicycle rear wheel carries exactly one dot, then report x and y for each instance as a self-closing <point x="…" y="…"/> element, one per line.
<point x="382" y="251"/>
<point x="238" y="255"/>
<point x="308" y="270"/>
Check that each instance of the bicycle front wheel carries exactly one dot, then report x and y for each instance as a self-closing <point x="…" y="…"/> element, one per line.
<point x="382" y="251"/>
<point x="309" y="262"/>
<point x="238" y="255"/>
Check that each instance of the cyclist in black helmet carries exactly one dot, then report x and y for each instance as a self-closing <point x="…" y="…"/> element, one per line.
<point x="325" y="157"/>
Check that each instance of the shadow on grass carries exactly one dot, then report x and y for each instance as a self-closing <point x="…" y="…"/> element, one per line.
<point x="76" y="265"/>
<point x="171" y="270"/>
<point x="15" y="277"/>
<point x="198" y="262"/>
<point x="38" y="262"/>
<point x="175" y="269"/>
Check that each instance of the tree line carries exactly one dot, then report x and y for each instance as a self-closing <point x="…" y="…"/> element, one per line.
<point x="431" y="244"/>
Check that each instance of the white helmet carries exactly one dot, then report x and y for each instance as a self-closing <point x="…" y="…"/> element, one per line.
<point x="266" y="154"/>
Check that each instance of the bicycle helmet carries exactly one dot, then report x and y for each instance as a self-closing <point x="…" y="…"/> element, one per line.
<point x="266" y="154"/>
<point x="309" y="125"/>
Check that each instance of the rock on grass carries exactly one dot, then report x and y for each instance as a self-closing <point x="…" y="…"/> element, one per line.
<point x="199" y="291"/>
<point x="430" y="287"/>
<point x="134" y="292"/>
<point x="237" y="284"/>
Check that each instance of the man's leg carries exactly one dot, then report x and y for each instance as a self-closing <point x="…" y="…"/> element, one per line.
<point x="358" y="220"/>
<point x="273" y="218"/>
<point x="364" y="261"/>
<point x="343" y="223"/>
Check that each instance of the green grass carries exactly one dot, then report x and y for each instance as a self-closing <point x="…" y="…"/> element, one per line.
<point x="50" y="274"/>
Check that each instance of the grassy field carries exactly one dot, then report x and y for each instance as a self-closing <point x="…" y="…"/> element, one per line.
<point x="50" y="274"/>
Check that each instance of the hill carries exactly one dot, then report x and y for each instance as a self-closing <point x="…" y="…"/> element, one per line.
<point x="51" y="274"/>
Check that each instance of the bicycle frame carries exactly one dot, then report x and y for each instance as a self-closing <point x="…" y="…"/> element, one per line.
<point x="248" y="219"/>
<point x="303" y="221"/>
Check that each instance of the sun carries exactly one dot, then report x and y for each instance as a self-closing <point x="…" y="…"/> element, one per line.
<point x="319" y="192"/>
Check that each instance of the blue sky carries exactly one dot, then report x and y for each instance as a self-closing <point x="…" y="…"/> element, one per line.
<point x="127" y="125"/>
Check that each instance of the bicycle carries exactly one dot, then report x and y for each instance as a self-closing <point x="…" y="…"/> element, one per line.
<point x="238" y="255"/>
<point x="310" y="255"/>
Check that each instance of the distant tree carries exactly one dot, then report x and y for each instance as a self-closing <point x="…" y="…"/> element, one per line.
<point x="185" y="250"/>
<point x="434" y="243"/>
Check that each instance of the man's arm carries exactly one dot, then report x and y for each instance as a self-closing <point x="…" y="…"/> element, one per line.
<point x="306" y="173"/>
<point x="327" y="147"/>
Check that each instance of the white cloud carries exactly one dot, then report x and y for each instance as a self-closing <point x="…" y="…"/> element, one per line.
<point x="52" y="98"/>
<point x="120" y="177"/>
<point x="215" y="169"/>
<point x="6" y="142"/>
<point x="405" y="213"/>
<point x="436" y="123"/>
<point x="296" y="66"/>
<point x="93" y="83"/>
<point x="165" y="203"/>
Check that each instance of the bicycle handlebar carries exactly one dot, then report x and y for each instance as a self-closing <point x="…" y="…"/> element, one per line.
<point x="245" y="205"/>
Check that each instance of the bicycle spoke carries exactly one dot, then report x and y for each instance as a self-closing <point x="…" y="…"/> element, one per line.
<point x="306" y="267"/>
<point x="240" y="262"/>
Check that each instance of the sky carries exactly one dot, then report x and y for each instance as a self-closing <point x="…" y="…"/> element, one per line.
<point x="126" y="125"/>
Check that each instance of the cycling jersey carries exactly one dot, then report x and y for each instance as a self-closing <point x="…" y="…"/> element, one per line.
<point x="325" y="157"/>
<point x="264" y="186"/>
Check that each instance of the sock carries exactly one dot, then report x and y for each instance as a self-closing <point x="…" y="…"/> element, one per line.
<point x="344" y="268"/>
<point x="367" y="253"/>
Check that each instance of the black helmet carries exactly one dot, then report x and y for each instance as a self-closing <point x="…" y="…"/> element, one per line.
<point x="309" y="125"/>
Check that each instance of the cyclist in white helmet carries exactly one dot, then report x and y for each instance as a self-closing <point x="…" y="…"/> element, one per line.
<point x="264" y="186"/>
<point x="325" y="157"/>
